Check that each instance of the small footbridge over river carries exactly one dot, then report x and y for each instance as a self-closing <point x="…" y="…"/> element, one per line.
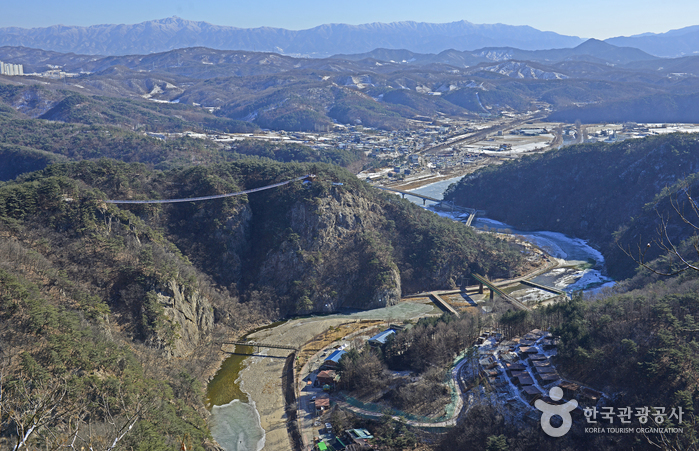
<point x="257" y="345"/>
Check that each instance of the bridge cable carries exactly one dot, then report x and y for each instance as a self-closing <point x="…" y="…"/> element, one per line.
<point x="217" y="196"/>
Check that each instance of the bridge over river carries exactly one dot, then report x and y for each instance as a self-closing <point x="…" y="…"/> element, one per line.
<point x="257" y="345"/>
<point x="441" y="298"/>
<point x="494" y="289"/>
<point x="472" y="212"/>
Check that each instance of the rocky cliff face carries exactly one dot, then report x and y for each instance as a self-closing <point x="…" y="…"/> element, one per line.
<point x="234" y="240"/>
<point x="328" y="259"/>
<point x="190" y="313"/>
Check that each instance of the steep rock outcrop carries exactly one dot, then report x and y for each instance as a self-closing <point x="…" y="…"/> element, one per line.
<point x="190" y="314"/>
<point x="235" y="239"/>
<point x="329" y="242"/>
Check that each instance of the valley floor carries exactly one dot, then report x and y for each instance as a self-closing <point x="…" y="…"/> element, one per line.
<point x="262" y="376"/>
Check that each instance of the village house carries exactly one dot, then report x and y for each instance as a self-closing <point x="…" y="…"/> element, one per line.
<point x="531" y="393"/>
<point x="381" y="338"/>
<point x="327" y="377"/>
<point x="322" y="404"/>
<point x="333" y="360"/>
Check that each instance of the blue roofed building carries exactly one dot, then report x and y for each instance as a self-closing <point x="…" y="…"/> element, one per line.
<point x="333" y="360"/>
<point x="379" y="339"/>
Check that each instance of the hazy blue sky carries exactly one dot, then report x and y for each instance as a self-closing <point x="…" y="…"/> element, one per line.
<point x="585" y="18"/>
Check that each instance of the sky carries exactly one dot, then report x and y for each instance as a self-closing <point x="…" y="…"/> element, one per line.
<point x="599" y="19"/>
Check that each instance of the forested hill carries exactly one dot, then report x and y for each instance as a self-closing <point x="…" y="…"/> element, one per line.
<point x="605" y="193"/>
<point x="143" y="282"/>
<point x="295" y="249"/>
<point x="31" y="144"/>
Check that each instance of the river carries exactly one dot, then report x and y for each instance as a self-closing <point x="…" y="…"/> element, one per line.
<point x="581" y="267"/>
<point x="236" y="423"/>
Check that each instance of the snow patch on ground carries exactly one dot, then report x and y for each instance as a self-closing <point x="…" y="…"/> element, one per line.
<point x="577" y="242"/>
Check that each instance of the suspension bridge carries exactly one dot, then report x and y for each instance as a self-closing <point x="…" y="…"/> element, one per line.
<point x="307" y="177"/>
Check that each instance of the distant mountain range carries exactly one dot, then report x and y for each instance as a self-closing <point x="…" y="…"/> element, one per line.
<point x="200" y="62"/>
<point x="673" y="44"/>
<point x="198" y="87"/>
<point x="325" y="40"/>
<point x="591" y="50"/>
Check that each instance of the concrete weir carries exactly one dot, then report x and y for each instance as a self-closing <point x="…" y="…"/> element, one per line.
<point x="443" y="304"/>
<point x="495" y="290"/>
<point x="542" y="287"/>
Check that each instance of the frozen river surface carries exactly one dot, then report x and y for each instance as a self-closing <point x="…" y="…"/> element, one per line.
<point x="581" y="266"/>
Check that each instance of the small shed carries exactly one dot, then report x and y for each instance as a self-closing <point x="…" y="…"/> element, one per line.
<point x="509" y="356"/>
<point x="322" y="404"/>
<point x="531" y="393"/>
<point x="359" y="436"/>
<point x="513" y="368"/>
<point x="488" y="362"/>
<point x="492" y="373"/>
<point x="525" y="380"/>
<point x="537" y="357"/>
<point x="548" y="343"/>
<point x="548" y="378"/>
<point x="570" y="389"/>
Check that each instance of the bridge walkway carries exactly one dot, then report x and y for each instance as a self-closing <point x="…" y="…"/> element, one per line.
<point x="494" y="289"/>
<point x="444" y="204"/>
<point x="259" y="345"/>
<point x="543" y="287"/>
<point x="408" y="193"/>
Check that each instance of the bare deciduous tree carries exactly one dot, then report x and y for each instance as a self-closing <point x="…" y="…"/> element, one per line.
<point x="66" y="417"/>
<point x="688" y="212"/>
<point x="31" y="405"/>
<point x="82" y="431"/>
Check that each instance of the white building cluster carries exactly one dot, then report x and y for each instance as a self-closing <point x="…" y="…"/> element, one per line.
<point x="11" y="69"/>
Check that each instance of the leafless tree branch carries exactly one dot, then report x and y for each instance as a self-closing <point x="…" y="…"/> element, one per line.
<point x="665" y="243"/>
